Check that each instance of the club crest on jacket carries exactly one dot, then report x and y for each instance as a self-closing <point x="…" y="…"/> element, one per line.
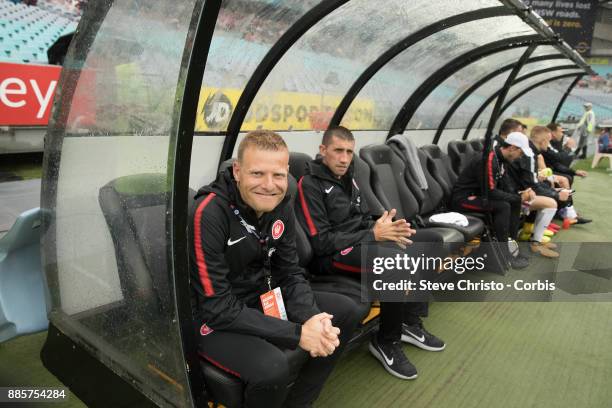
<point x="205" y="330"/>
<point x="277" y="229"/>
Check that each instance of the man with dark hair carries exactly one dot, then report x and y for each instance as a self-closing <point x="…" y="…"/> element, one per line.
<point x="557" y="162"/>
<point x="508" y="126"/>
<point x="250" y="297"/>
<point x="340" y="227"/>
<point x="337" y="131"/>
<point x="562" y="144"/>
<point x="499" y="199"/>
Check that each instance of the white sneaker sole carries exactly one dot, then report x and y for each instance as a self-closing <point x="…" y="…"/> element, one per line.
<point x="414" y="342"/>
<point x="380" y="358"/>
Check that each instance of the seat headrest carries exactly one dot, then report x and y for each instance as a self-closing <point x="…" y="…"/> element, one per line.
<point x="225" y="165"/>
<point x="362" y="176"/>
<point x="432" y="151"/>
<point x="292" y="188"/>
<point x="377" y="153"/>
<point x="461" y="146"/>
<point x="297" y="164"/>
<point x="477" y="145"/>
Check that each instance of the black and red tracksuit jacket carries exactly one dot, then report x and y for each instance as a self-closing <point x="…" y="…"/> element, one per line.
<point x="523" y="174"/>
<point x="331" y="210"/>
<point x="227" y="265"/>
<point x="472" y="180"/>
<point x="555" y="161"/>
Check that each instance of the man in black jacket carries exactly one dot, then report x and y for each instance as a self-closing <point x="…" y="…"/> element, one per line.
<point x="499" y="198"/>
<point x="522" y="175"/>
<point x="562" y="144"/>
<point x="243" y="258"/>
<point x="340" y="227"/>
<point x="555" y="160"/>
<point x="541" y="137"/>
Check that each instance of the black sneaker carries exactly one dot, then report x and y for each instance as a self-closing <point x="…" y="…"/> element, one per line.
<point x="520" y="262"/>
<point x="523" y="256"/>
<point x="418" y="336"/>
<point x="582" y="220"/>
<point x="392" y="357"/>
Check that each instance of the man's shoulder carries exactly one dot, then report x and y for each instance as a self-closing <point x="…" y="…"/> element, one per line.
<point x="309" y="177"/>
<point x="283" y="209"/>
<point x="210" y="205"/>
<point x="310" y="180"/>
<point x="208" y="198"/>
<point x="316" y="170"/>
<point x="496" y="161"/>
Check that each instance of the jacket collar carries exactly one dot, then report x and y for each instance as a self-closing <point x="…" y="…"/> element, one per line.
<point x="499" y="156"/>
<point x="319" y="170"/>
<point x="533" y="147"/>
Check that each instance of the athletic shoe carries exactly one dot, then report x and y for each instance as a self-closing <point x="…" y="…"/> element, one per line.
<point x="553" y="227"/>
<point x="550" y="245"/>
<point x="418" y="336"/>
<point x="393" y="359"/>
<point x="548" y="232"/>
<point x="582" y="220"/>
<point x="541" y="249"/>
<point x="520" y="262"/>
<point x="525" y="257"/>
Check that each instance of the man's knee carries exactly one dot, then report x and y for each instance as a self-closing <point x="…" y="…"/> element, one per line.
<point x="515" y="207"/>
<point x="346" y="312"/>
<point x="501" y="208"/>
<point x="270" y="370"/>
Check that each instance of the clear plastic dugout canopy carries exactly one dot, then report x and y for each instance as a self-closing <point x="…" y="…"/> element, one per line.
<point x="154" y="96"/>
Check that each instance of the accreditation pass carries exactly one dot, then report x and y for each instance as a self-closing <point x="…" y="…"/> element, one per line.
<point x="14" y="395"/>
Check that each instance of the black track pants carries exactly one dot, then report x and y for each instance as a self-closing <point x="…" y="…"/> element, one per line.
<point x="264" y="368"/>
<point x="392" y="314"/>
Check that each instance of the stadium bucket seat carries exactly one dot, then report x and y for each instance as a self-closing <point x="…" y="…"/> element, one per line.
<point x="441" y="170"/>
<point x="460" y="153"/>
<point x="297" y="164"/>
<point x="476" y="144"/>
<point x="389" y="185"/>
<point x="431" y="200"/>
